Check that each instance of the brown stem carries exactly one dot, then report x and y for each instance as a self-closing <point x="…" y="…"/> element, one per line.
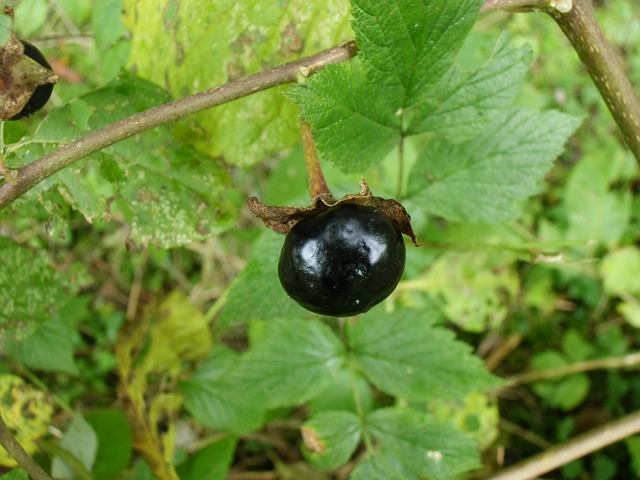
<point x="575" y="448"/>
<point x="33" y="173"/>
<point x="513" y="5"/>
<point x="606" y="67"/>
<point x="19" y="454"/>
<point x="317" y="183"/>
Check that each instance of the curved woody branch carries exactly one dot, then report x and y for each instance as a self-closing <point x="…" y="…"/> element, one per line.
<point x="18" y="182"/>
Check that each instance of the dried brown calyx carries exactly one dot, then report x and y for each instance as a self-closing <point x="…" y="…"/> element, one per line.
<point x="20" y="76"/>
<point x="283" y="219"/>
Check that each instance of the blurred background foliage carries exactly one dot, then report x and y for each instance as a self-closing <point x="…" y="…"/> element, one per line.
<point x="557" y="287"/>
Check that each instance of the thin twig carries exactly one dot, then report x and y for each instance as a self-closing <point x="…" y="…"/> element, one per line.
<point x="19" y="454"/>
<point x="30" y="175"/>
<point x="578" y="447"/>
<point x="625" y="361"/>
<point x="513" y="5"/>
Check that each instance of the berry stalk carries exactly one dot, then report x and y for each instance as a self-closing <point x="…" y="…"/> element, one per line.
<point x="317" y="183"/>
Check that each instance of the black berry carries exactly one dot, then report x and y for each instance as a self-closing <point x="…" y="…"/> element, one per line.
<point x="343" y="261"/>
<point x="42" y="93"/>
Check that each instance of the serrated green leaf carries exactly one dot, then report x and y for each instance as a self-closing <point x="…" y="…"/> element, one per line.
<point x="192" y="45"/>
<point x="423" y="445"/>
<point x="292" y="363"/>
<point x="30" y="289"/>
<point x="330" y="438"/>
<point x="404" y="355"/>
<point x="115" y="441"/>
<point x="210" y="463"/>
<point x="404" y="82"/>
<point x="49" y="348"/>
<point x="214" y="397"/>
<point x="408" y="45"/>
<point x="461" y="103"/>
<point x="80" y="441"/>
<point x="382" y="466"/>
<point x="350" y="127"/>
<point x="171" y="194"/>
<point x="256" y="293"/>
<point x="486" y="178"/>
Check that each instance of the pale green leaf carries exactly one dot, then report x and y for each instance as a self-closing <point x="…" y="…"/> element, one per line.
<point x="405" y="355"/>
<point x="462" y="103"/>
<point x="382" y="465"/>
<point x="485" y="179"/>
<point x="171" y="194"/>
<point x="596" y="212"/>
<point x="425" y="446"/>
<point x="489" y="275"/>
<point x="80" y="441"/>
<point x="292" y="363"/>
<point x="330" y="438"/>
<point x="193" y="45"/>
<point x="49" y="348"/>
<point x="107" y="23"/>
<point x="210" y="463"/>
<point x="214" y="397"/>
<point x="30" y="289"/>
<point x="619" y="270"/>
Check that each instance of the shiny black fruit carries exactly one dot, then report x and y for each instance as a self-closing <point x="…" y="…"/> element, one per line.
<point x="42" y="93"/>
<point x="343" y="261"/>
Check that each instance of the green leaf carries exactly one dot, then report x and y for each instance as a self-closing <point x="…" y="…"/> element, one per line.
<point x="330" y="438"/>
<point x="215" y="398"/>
<point x="171" y="194"/>
<point x="107" y="22"/>
<point x="425" y="446"/>
<point x="256" y="292"/>
<point x="382" y="466"/>
<point x="49" y="348"/>
<point x="485" y="179"/>
<point x="462" y="103"/>
<point x="409" y="45"/>
<point x="565" y="393"/>
<point x="210" y="463"/>
<point x="404" y="355"/>
<point x="190" y="45"/>
<point x="30" y="289"/>
<point x="293" y="363"/>
<point x="595" y="211"/>
<point x="115" y="441"/>
<point x="339" y="395"/>
<point x="80" y="441"/>
<point x="489" y="275"/>
<point x="15" y="474"/>
<point x="619" y="270"/>
<point x="358" y="110"/>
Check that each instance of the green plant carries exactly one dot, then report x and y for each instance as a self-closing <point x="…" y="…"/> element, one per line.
<point x="141" y="300"/>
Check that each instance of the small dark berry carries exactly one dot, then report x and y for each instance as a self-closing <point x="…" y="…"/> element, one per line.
<point x="343" y="261"/>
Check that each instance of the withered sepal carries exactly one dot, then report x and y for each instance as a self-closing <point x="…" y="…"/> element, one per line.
<point x="283" y="219"/>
